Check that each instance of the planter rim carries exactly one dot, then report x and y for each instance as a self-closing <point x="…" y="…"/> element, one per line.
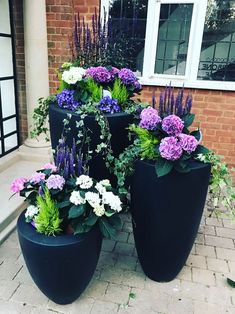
<point x="109" y="115"/>
<point x="31" y="234"/>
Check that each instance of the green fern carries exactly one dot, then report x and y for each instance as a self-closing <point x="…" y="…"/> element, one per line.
<point x="119" y="92"/>
<point x="94" y="89"/>
<point x="47" y="221"/>
<point x="147" y="142"/>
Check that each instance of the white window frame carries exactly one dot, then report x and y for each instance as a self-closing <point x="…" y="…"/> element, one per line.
<point x="194" y="48"/>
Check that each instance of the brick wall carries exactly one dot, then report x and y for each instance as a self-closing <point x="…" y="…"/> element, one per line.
<point x="20" y="67"/>
<point x="215" y="114"/>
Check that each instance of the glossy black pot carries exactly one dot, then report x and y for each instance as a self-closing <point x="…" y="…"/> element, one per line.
<point x="118" y="124"/>
<point x="166" y="214"/>
<point x="60" y="266"/>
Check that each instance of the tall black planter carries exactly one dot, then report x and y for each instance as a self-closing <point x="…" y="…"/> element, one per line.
<point x="60" y="266"/>
<point x="166" y="215"/>
<point x="118" y="123"/>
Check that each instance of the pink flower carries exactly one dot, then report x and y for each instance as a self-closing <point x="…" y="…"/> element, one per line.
<point x="50" y="166"/>
<point x="55" y="181"/>
<point x="170" y="148"/>
<point x="18" y="185"/>
<point x="37" y="177"/>
<point x="172" y="125"/>
<point x="188" y="142"/>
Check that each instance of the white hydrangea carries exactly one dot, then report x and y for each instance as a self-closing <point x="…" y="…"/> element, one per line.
<point x="85" y="182"/>
<point x="76" y="198"/>
<point x="31" y="212"/>
<point x="93" y="199"/>
<point x="100" y="188"/>
<point x="105" y="182"/>
<point x="99" y="210"/>
<point x="73" y="75"/>
<point x="112" y="200"/>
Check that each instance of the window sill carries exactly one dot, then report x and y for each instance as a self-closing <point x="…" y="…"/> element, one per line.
<point x="212" y="85"/>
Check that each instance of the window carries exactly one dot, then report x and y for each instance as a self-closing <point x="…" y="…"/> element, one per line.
<point x="190" y="42"/>
<point x="8" y="112"/>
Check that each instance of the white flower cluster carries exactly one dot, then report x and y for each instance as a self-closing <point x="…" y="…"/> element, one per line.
<point x="85" y="182"/>
<point x="112" y="200"/>
<point x="76" y="198"/>
<point x="31" y="212"/>
<point x="73" y="75"/>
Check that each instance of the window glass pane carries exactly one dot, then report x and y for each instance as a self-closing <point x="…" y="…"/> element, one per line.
<point x="7" y="92"/>
<point x="173" y="38"/>
<point x="6" y="63"/>
<point x="10" y="142"/>
<point x="4" y="17"/>
<point x="127" y="21"/>
<point x="217" y="59"/>
<point x="9" y="126"/>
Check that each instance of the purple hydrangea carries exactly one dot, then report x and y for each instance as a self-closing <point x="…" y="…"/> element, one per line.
<point x="188" y="143"/>
<point x="170" y="148"/>
<point x="172" y="125"/>
<point x="18" y="185"/>
<point x="55" y="181"/>
<point x="114" y="73"/>
<point x="66" y="100"/>
<point x="99" y="74"/>
<point x="37" y="177"/>
<point x="127" y="76"/>
<point x="137" y="86"/>
<point x="108" y="105"/>
<point x="149" y="118"/>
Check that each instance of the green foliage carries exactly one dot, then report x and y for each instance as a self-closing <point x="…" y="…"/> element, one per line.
<point x="163" y="167"/>
<point x="188" y="119"/>
<point x="119" y="92"/>
<point x="231" y="283"/>
<point x="47" y="221"/>
<point x="40" y="115"/>
<point x="147" y="142"/>
<point x="221" y="185"/>
<point x="94" y="89"/>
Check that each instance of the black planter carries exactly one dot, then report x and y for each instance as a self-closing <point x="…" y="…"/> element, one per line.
<point x="166" y="215"/>
<point x="60" y="266"/>
<point x="118" y="124"/>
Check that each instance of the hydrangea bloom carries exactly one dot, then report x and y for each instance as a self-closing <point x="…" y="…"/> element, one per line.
<point x="108" y="105"/>
<point x="66" y="100"/>
<point x="137" y="86"/>
<point x="73" y="75"/>
<point x="18" y="185"/>
<point x="170" y="148"/>
<point x="76" y="198"/>
<point x="85" y="182"/>
<point x="127" y="76"/>
<point x="112" y="200"/>
<point x="172" y="125"/>
<point x="100" y="188"/>
<point x="114" y="73"/>
<point x="99" y="74"/>
<point x="188" y="142"/>
<point x="93" y="199"/>
<point x="149" y="118"/>
<point x="37" y="177"/>
<point x="99" y="210"/>
<point x="55" y="181"/>
<point x="31" y="212"/>
<point x="50" y="166"/>
<point x="105" y="182"/>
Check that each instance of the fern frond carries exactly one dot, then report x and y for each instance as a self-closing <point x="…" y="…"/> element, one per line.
<point x="94" y="89"/>
<point x="119" y="92"/>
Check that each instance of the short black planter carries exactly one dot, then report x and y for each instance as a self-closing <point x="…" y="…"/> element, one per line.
<point x="166" y="215"/>
<point x="60" y="266"/>
<point x="118" y="124"/>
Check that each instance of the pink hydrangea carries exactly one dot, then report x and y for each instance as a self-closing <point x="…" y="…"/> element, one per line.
<point x="149" y="118"/>
<point x="37" y="177"/>
<point x="172" y="125"/>
<point x="170" y="148"/>
<point x="55" y="181"/>
<point x="50" y="166"/>
<point x="188" y="142"/>
<point x="18" y="185"/>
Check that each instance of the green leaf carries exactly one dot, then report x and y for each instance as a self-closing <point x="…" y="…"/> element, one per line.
<point x="91" y="220"/>
<point x="196" y="134"/>
<point x="76" y="211"/>
<point x="80" y="228"/>
<point x="132" y="295"/>
<point x="163" y="167"/>
<point x="63" y="204"/>
<point x="188" y="119"/>
<point x="182" y="167"/>
<point x="231" y="282"/>
<point x="107" y="230"/>
<point x="202" y="150"/>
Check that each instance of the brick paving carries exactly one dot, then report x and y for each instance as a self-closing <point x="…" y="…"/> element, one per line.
<point x="120" y="286"/>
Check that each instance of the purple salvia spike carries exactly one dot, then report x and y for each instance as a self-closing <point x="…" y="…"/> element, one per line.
<point x="172" y="102"/>
<point x="161" y="105"/>
<point x="71" y="165"/>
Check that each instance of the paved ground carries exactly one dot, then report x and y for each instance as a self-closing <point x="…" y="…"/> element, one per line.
<point x="119" y="284"/>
